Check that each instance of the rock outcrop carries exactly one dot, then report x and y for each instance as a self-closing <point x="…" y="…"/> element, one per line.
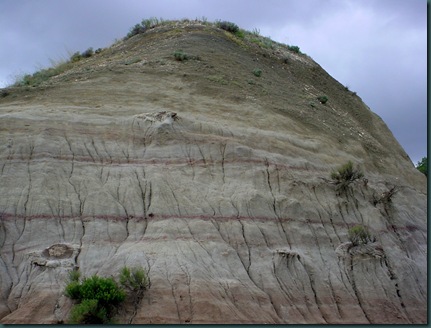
<point x="214" y="180"/>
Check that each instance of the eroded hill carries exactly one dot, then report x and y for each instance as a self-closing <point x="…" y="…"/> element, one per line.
<point x="214" y="179"/>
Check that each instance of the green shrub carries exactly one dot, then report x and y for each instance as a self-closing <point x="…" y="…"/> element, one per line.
<point x="145" y="25"/>
<point x="96" y="298"/>
<point x="180" y="55"/>
<point x="137" y="29"/>
<point x="240" y="34"/>
<point x="87" y="53"/>
<point x="294" y="49"/>
<point x="322" y="99"/>
<point x="43" y="75"/>
<point x="345" y="175"/>
<point x="149" y="23"/>
<point x="88" y="312"/>
<point x="73" y="290"/>
<point x="256" y="32"/>
<point x="263" y="42"/>
<point x="267" y="43"/>
<point x="359" y="234"/>
<point x="104" y="290"/>
<point x="228" y="26"/>
<point x="346" y="172"/>
<point x="257" y="72"/>
<point x="134" y="280"/>
<point x="76" y="57"/>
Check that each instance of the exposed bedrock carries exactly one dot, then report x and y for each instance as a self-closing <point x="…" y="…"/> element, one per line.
<point x="226" y="203"/>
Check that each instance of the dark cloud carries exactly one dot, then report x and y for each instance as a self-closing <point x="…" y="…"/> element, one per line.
<point x="376" y="47"/>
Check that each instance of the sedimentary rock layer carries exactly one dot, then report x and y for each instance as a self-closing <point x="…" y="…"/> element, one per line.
<point x="221" y="192"/>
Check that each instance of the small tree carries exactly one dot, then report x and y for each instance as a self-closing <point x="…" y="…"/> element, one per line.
<point x="422" y="166"/>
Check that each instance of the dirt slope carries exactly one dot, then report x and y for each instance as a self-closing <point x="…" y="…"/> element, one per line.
<point x="213" y="179"/>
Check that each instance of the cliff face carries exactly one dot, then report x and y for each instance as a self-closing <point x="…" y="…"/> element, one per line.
<point x="213" y="179"/>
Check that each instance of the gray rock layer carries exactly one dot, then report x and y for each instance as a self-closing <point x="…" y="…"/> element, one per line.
<point x="226" y="202"/>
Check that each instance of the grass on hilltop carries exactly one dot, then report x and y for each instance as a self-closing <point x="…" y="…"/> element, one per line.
<point x="237" y="34"/>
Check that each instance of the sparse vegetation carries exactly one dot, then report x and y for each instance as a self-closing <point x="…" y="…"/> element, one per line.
<point x="257" y="72"/>
<point x="422" y="166"/>
<point x="359" y="235"/>
<point x="242" y="37"/>
<point x="322" y="99"/>
<point x="78" y="56"/>
<point x="348" y="90"/>
<point x="38" y="77"/>
<point x="261" y="41"/>
<point x="217" y="79"/>
<point x="151" y="22"/>
<point x="145" y="25"/>
<point x="4" y="93"/>
<point x="74" y="275"/>
<point x="386" y="197"/>
<point x="256" y="32"/>
<point x="182" y="56"/>
<point x="345" y="175"/>
<point x="132" y="61"/>
<point x="43" y="75"/>
<point x="232" y="28"/>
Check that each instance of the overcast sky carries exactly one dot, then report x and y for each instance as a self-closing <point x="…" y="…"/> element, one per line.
<point x="378" y="48"/>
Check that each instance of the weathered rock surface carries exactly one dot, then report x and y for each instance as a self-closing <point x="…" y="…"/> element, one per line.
<point x="215" y="181"/>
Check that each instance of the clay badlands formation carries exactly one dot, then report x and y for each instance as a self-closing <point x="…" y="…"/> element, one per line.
<point x="212" y="170"/>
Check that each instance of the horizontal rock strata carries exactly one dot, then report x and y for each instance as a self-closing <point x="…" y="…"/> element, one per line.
<point x="227" y="203"/>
